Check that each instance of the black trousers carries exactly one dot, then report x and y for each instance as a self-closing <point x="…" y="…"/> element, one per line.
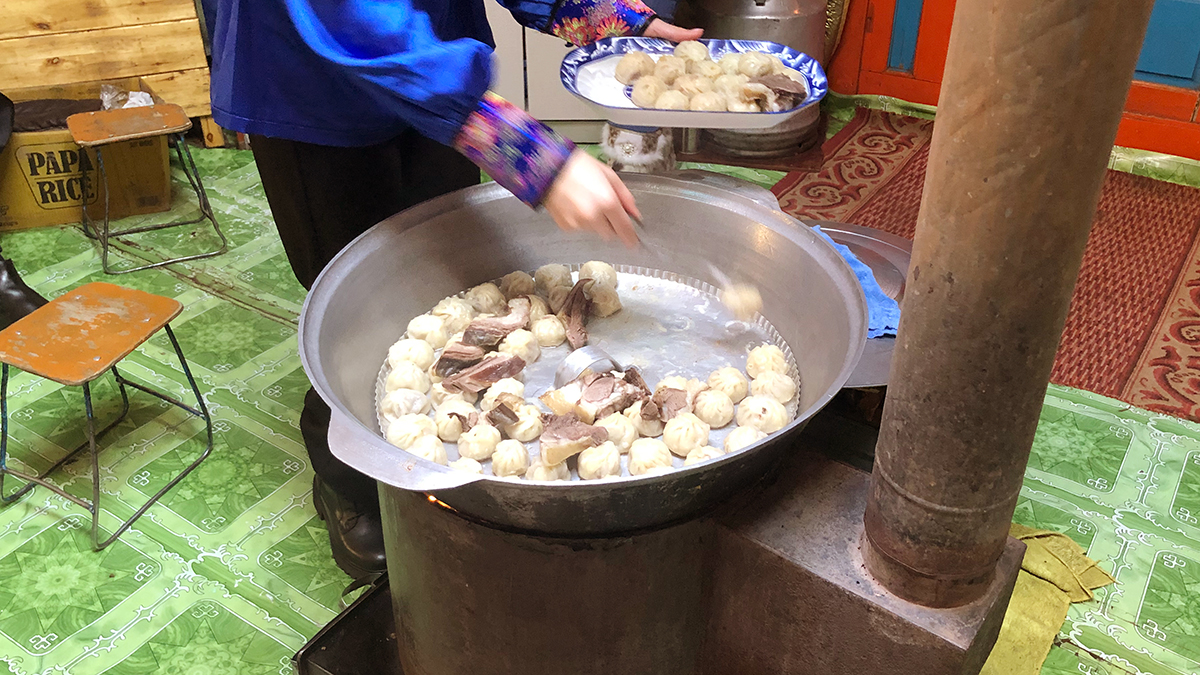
<point x="322" y="198"/>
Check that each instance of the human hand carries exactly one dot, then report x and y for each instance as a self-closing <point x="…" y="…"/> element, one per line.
<point x="588" y="195"/>
<point x="661" y="29"/>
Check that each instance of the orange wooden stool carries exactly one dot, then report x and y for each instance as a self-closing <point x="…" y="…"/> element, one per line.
<point x="73" y="340"/>
<point x="105" y="127"/>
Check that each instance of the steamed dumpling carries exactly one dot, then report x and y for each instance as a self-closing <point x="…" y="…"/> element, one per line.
<point x="405" y="431"/>
<point x="753" y="64"/>
<point x="735" y="104"/>
<point x="400" y="402"/>
<point x="551" y="276"/>
<point x="646" y="91"/>
<point x="762" y="413"/>
<point x="708" y="101"/>
<point x="634" y="65"/>
<point x="730" y="381"/>
<point x="601" y="461"/>
<point x="644" y="426"/>
<point x="599" y="271"/>
<point x="648" y="454"/>
<point x="690" y="85"/>
<point x="406" y="375"/>
<point x="537" y="308"/>
<point x="521" y="343"/>
<point x="510" y="459"/>
<point x="672" y="382"/>
<point x="418" y="352"/>
<point x="621" y="431"/>
<point x="438" y="394"/>
<point x="542" y="471"/>
<point x="447" y="421"/>
<point x="508" y="385"/>
<point x="777" y="65"/>
<point x="764" y="358"/>
<point x="730" y="84"/>
<point x="706" y="68"/>
<point x="549" y="331"/>
<point x="479" y="442"/>
<point x="528" y="425"/>
<point x="742" y="437"/>
<point x="743" y="300"/>
<point x="668" y="68"/>
<point x="429" y="328"/>
<point x="487" y="298"/>
<point x="702" y="454"/>
<point x="714" y="408"/>
<point x="466" y="465"/>
<point x="430" y="448"/>
<point x="774" y="385"/>
<point x="557" y="297"/>
<point x="729" y="63"/>
<point x="685" y="432"/>
<point x="605" y="301"/>
<point x="691" y="50"/>
<point x="455" y="312"/>
<point x="516" y="284"/>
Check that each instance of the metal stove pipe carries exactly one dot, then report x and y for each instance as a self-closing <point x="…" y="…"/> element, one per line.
<point x="1029" y="108"/>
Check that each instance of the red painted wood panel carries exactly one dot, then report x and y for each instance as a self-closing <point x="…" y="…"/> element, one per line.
<point x="1159" y="135"/>
<point x="933" y="39"/>
<point x="1158" y="100"/>
<point x="899" y="86"/>
<point x="844" y="68"/>
<point x="878" y="41"/>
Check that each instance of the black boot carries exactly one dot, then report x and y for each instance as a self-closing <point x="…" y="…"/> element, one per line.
<point x="16" y="298"/>
<point x="355" y="536"/>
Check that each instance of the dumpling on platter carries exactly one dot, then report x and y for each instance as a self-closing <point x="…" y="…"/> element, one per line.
<point x="646" y="91"/>
<point x="691" y="50"/>
<point x="634" y="65"/>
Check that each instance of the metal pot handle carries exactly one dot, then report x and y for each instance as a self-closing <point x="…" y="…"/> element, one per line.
<point x="369" y="454"/>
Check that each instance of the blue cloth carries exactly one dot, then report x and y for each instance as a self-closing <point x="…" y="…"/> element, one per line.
<point x="354" y="72"/>
<point x="883" y="313"/>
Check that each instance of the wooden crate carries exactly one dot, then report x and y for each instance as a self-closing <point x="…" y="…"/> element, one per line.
<point x="58" y="42"/>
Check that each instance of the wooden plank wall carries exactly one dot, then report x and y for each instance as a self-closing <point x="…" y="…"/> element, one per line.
<point x="51" y="42"/>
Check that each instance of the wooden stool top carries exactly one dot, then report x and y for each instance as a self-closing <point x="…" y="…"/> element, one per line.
<point x="124" y="124"/>
<point x="82" y="333"/>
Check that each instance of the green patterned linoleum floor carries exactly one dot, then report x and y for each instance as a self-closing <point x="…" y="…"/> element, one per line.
<point x="231" y="573"/>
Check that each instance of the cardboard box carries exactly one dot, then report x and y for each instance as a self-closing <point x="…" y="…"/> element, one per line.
<point x="40" y="171"/>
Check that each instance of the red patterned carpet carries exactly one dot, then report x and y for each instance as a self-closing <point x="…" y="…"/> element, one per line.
<point x="1133" y="332"/>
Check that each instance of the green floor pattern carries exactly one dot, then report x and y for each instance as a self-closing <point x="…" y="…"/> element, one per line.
<point x="231" y="572"/>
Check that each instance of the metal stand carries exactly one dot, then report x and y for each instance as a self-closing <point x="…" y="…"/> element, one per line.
<point x="92" y="436"/>
<point x="104" y="234"/>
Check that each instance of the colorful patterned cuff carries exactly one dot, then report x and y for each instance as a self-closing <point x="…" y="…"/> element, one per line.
<point x="517" y="151"/>
<point x="582" y="22"/>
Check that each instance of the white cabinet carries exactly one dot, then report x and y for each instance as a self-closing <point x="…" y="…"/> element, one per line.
<point x="509" y="59"/>
<point x="528" y="63"/>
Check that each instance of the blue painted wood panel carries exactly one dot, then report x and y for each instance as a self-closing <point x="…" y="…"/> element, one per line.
<point x="1171" y="52"/>
<point x="906" y="23"/>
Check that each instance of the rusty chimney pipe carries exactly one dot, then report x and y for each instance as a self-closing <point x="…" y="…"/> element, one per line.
<point x="1029" y="108"/>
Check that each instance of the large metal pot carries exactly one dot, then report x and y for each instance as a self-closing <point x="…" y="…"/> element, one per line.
<point x="403" y="266"/>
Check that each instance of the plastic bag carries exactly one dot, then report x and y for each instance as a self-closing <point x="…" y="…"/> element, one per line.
<point x="112" y="98"/>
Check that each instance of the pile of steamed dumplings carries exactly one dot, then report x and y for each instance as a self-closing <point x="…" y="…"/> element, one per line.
<point x="690" y="80"/>
<point x="420" y="415"/>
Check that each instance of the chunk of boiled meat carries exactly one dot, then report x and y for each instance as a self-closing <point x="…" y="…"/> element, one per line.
<point x="491" y="331"/>
<point x="567" y="435"/>
<point x="492" y="369"/>
<point x="457" y="357"/>
<point x="576" y="309"/>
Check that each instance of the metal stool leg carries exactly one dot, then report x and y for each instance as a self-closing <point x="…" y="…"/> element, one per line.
<point x="40" y="479"/>
<point x="201" y="410"/>
<point x="192" y="173"/>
